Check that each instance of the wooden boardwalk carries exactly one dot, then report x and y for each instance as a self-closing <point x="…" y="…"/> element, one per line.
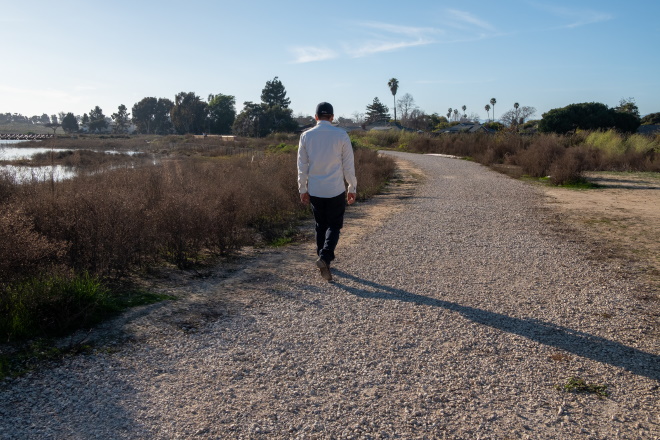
<point x="23" y="136"/>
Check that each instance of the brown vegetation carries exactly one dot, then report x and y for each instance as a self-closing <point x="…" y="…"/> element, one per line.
<point x="195" y="203"/>
<point x="562" y="157"/>
<point x="192" y="200"/>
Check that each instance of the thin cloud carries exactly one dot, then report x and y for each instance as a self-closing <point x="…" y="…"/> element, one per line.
<point x="310" y="54"/>
<point x="380" y="37"/>
<point x="576" y="17"/>
<point x="374" y="47"/>
<point x="411" y="31"/>
<point x="466" y="20"/>
<point x="390" y="37"/>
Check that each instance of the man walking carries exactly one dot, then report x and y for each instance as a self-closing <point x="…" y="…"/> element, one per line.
<point x="325" y="160"/>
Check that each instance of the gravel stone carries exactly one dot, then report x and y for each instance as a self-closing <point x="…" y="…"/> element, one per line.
<point x="457" y="309"/>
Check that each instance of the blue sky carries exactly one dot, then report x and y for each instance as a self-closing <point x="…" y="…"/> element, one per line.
<point x="73" y="55"/>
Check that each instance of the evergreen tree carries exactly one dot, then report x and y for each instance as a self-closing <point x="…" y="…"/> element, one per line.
<point x="85" y="120"/>
<point x="121" y="119"/>
<point x="97" y="120"/>
<point x="275" y="94"/>
<point x="251" y="122"/>
<point x="144" y="114"/>
<point x="377" y="112"/>
<point x="587" y="116"/>
<point x="69" y="123"/>
<point x="162" y="121"/>
<point x="189" y="113"/>
<point x="222" y="113"/>
<point x="151" y="115"/>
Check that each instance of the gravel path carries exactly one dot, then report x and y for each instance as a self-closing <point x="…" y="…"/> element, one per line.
<point x="455" y="312"/>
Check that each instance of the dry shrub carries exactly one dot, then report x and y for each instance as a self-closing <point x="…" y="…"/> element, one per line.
<point x="536" y="160"/>
<point x="179" y="210"/>
<point x="24" y="252"/>
<point x="101" y="219"/>
<point x="384" y="138"/>
<point x="421" y="144"/>
<point x="8" y="186"/>
<point x="567" y="168"/>
<point x="372" y="171"/>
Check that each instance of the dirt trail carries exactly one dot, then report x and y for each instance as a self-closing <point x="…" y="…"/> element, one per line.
<point x="458" y="310"/>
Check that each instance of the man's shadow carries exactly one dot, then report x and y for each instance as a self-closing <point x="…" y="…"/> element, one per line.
<point x="579" y="343"/>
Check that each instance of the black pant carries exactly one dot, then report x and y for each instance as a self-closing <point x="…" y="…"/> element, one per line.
<point x="329" y="218"/>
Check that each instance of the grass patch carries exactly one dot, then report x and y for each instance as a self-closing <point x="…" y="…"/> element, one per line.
<point x="282" y="241"/>
<point x="23" y="355"/>
<point x="56" y="306"/>
<point x="282" y="148"/>
<point x="134" y="298"/>
<point x="580" y="184"/>
<point x="578" y="385"/>
<point x="51" y="306"/>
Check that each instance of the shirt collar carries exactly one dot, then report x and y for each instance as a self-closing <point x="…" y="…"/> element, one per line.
<point x="323" y="122"/>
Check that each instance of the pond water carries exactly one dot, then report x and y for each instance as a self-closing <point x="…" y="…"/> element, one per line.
<point x="25" y="174"/>
<point x="16" y="153"/>
<point x="22" y="174"/>
<point x="21" y="153"/>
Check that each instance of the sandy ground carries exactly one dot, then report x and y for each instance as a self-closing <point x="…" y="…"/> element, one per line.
<point x="621" y="217"/>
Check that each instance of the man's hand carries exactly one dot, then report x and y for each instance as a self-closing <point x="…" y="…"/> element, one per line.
<point x="350" y="198"/>
<point x="304" y="198"/>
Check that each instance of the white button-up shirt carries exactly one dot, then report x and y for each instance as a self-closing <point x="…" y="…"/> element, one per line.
<point x="325" y="159"/>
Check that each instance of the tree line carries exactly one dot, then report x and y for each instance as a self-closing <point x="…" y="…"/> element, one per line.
<point x="189" y="113"/>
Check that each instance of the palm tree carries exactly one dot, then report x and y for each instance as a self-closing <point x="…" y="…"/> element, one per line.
<point x="517" y="113"/>
<point x="393" y="84"/>
<point x="493" y="101"/>
<point x="464" y="108"/>
<point x="456" y="114"/>
<point x="487" y="111"/>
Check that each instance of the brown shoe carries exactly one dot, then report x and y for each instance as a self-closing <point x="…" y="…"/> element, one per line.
<point x="325" y="269"/>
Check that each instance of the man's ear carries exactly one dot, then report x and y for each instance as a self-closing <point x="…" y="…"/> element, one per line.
<point x="316" y="117"/>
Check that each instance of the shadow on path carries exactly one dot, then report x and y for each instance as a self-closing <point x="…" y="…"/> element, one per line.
<point x="579" y="343"/>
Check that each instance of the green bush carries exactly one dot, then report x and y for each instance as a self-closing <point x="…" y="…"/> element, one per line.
<point x="641" y="144"/>
<point x="51" y="306"/>
<point x="610" y="142"/>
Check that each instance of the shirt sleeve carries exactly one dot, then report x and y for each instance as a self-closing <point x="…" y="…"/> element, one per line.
<point x="303" y="167"/>
<point x="348" y="164"/>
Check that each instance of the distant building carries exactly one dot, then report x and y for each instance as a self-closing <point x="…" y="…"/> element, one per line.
<point x="466" y="127"/>
<point x="649" y="130"/>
